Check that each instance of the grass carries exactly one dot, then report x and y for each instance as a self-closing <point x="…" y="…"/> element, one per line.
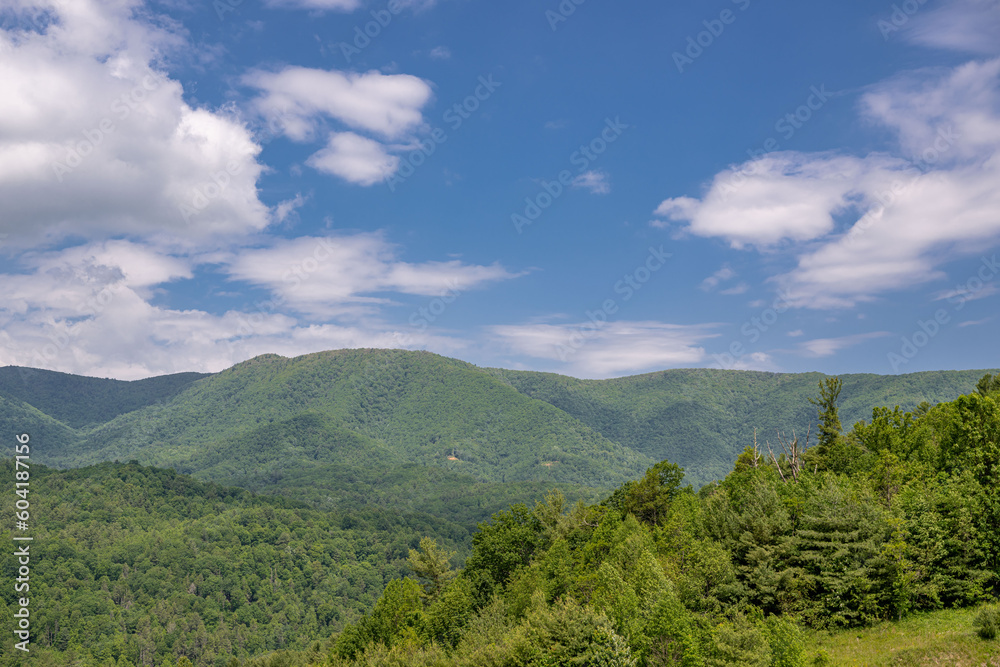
<point x="940" y="638"/>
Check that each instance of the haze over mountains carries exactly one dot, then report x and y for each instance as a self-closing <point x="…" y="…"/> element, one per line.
<point x="366" y="426"/>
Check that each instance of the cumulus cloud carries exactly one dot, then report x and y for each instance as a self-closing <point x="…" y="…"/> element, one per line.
<point x="95" y="140"/>
<point x="354" y="158"/>
<point x="858" y="227"/>
<point x="95" y="309"/>
<point x="784" y="196"/>
<point x="608" y="350"/>
<point x="303" y="101"/>
<point x="299" y="99"/>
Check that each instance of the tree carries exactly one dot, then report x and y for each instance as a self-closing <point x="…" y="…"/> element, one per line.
<point x="988" y="384"/>
<point x="826" y="408"/>
<point x="433" y="564"/>
<point x="649" y="499"/>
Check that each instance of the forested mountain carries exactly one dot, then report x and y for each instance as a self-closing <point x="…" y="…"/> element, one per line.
<point x="894" y="516"/>
<point x="273" y="422"/>
<point x="136" y="564"/>
<point x="702" y="418"/>
<point x="898" y="514"/>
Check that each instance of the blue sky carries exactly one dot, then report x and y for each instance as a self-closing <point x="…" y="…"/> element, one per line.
<point x="588" y="188"/>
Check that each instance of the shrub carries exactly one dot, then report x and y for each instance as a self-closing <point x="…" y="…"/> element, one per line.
<point x="987" y="622"/>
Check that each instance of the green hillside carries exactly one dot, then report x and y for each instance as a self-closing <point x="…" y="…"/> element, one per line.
<point x="138" y="563"/>
<point x="333" y="425"/>
<point x="703" y="418"/>
<point x="85" y="401"/>
<point x="380" y="408"/>
<point x="869" y="531"/>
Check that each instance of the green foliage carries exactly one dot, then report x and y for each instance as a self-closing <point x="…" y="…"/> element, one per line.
<point x="140" y="565"/>
<point x="149" y="567"/>
<point x="649" y="499"/>
<point x="988" y="384"/>
<point x="432" y="564"/>
<point x="500" y="548"/>
<point x="828" y="412"/>
<point x="987" y="622"/>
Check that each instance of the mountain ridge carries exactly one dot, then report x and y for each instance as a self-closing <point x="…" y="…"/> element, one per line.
<point x="390" y="408"/>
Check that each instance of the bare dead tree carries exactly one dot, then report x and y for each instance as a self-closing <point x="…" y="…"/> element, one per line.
<point x="793" y="451"/>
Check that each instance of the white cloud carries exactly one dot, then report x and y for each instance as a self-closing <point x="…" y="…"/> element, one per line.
<point x="354" y="158"/>
<point x="345" y="5"/>
<point x="735" y="290"/>
<point x="596" y="182"/>
<point x="298" y="99"/>
<point x="350" y="274"/>
<point x="333" y="5"/>
<point x="965" y="293"/>
<point x="95" y="140"/>
<point x="92" y="310"/>
<point x="827" y="347"/>
<point x="720" y="276"/>
<point x="608" y="350"/>
<point x="440" y="53"/>
<point x="970" y="26"/>
<point x="858" y="227"/>
<point x="782" y="196"/>
<point x="975" y="323"/>
<point x="287" y="207"/>
<point x="753" y="361"/>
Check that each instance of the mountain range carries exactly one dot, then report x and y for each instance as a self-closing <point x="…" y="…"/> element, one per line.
<point x="422" y="432"/>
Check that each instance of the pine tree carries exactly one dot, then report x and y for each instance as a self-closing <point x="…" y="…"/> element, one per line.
<point x="433" y="564"/>
<point x="826" y="408"/>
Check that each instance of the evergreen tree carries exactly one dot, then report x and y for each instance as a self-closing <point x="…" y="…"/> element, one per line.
<point x="433" y="564"/>
<point x="829" y="419"/>
<point x="988" y="384"/>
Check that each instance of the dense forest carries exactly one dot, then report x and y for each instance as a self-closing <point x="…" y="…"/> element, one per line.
<point x="894" y="516"/>
<point x="141" y="566"/>
<point x="331" y="414"/>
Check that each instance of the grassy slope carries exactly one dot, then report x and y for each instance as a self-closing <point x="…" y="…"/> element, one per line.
<point x="941" y="638"/>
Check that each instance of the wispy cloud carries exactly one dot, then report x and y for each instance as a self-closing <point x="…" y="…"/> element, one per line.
<point x="596" y="182"/>
<point x="612" y="349"/>
<point x="827" y="347"/>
